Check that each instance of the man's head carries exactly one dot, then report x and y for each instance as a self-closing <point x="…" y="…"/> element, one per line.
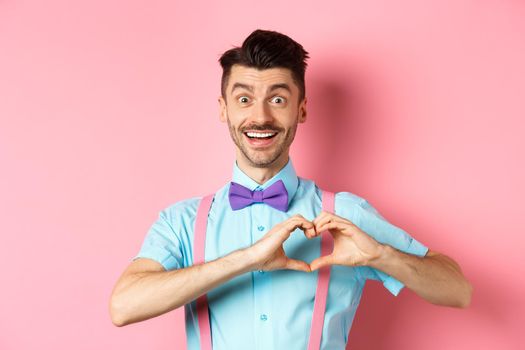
<point x="263" y="91"/>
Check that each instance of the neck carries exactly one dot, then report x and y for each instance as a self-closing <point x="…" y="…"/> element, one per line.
<point x="261" y="175"/>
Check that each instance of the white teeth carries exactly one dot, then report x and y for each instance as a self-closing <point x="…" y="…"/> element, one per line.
<point x="261" y="135"/>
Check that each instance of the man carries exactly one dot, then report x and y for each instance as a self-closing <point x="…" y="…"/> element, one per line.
<point x="259" y="285"/>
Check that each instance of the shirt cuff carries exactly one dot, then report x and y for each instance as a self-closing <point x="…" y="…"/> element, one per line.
<point x="416" y="248"/>
<point x="392" y="284"/>
<point x="161" y="256"/>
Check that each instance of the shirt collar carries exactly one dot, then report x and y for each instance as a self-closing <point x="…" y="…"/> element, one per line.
<point x="286" y="174"/>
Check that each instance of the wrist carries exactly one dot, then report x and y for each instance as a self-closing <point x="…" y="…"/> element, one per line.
<point x="386" y="253"/>
<point x="247" y="259"/>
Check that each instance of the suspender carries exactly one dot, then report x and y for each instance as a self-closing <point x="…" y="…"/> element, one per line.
<point x="198" y="254"/>
<point x="322" y="279"/>
<point x="314" y="343"/>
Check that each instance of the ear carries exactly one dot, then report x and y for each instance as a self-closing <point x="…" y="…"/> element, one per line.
<point x="302" y="111"/>
<point x="222" y="109"/>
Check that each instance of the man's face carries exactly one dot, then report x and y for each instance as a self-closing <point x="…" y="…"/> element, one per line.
<point x="262" y="109"/>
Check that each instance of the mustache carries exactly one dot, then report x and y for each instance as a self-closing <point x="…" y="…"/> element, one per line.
<point x="263" y="127"/>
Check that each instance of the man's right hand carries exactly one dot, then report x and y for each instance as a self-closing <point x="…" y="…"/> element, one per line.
<point x="268" y="254"/>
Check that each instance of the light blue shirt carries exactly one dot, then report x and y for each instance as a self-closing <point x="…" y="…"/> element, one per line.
<point x="272" y="310"/>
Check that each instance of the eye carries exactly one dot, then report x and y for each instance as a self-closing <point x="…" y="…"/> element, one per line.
<point x="243" y="99"/>
<point x="278" y="100"/>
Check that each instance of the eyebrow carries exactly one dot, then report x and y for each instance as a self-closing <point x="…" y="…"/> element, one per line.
<point x="272" y="87"/>
<point x="242" y="86"/>
<point x="280" y="86"/>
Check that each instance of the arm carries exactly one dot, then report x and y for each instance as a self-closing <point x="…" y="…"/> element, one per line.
<point x="435" y="277"/>
<point x="146" y="289"/>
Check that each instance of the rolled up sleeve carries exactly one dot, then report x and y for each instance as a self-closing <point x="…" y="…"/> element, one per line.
<point x="370" y="221"/>
<point x="162" y="244"/>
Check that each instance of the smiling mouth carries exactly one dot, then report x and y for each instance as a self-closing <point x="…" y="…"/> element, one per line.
<point x="261" y="139"/>
<point x="260" y="135"/>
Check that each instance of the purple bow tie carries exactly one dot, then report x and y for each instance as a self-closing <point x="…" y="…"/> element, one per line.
<point x="275" y="196"/>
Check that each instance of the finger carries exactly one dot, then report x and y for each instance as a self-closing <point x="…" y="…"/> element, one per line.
<point x="298" y="221"/>
<point x="321" y="220"/>
<point x="321" y="262"/>
<point x="333" y="218"/>
<point x="327" y="216"/>
<point x="319" y="217"/>
<point x="335" y="225"/>
<point x="308" y="229"/>
<point x="320" y="225"/>
<point x="298" y="265"/>
<point x="288" y="226"/>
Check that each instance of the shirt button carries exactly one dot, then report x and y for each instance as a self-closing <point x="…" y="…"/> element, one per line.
<point x="261" y="271"/>
<point x="260" y="228"/>
<point x="264" y="317"/>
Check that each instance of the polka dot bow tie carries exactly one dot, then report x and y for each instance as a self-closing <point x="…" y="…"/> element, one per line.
<point x="275" y="196"/>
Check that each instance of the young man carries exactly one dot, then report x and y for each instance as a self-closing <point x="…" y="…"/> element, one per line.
<point x="263" y="228"/>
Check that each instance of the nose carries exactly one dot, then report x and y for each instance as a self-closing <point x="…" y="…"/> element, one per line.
<point x="262" y="113"/>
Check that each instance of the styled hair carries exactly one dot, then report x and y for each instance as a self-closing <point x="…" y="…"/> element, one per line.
<point x="264" y="49"/>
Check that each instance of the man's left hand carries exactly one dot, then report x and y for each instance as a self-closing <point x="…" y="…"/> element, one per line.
<point x="352" y="246"/>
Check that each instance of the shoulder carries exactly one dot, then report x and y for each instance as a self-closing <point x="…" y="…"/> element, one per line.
<point x="349" y="198"/>
<point x="343" y="199"/>
<point x="179" y="214"/>
<point x="346" y="199"/>
<point x="360" y="203"/>
<point x="185" y="210"/>
<point x="182" y="207"/>
<point x="347" y="204"/>
<point x="353" y="206"/>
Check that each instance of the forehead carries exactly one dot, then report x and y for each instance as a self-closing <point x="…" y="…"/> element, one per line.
<point x="260" y="79"/>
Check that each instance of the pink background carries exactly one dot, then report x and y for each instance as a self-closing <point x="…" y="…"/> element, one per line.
<point x="108" y="114"/>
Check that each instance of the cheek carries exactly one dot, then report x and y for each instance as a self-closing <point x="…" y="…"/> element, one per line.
<point x="288" y="116"/>
<point x="237" y="115"/>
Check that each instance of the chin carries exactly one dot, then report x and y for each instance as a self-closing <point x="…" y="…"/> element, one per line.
<point x="264" y="161"/>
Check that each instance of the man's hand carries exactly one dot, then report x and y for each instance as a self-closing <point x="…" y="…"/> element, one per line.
<point x="268" y="253"/>
<point x="352" y="247"/>
<point x="435" y="277"/>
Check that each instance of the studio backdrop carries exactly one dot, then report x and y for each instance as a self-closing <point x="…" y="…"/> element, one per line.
<point x="109" y="114"/>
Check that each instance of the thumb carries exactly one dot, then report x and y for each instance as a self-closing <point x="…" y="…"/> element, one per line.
<point x="298" y="265"/>
<point x="321" y="262"/>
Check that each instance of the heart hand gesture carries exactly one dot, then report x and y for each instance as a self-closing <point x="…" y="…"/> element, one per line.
<point x="268" y="253"/>
<point x="352" y="246"/>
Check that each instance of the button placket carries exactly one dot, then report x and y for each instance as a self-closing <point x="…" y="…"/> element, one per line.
<point x="261" y="218"/>
<point x="260" y="228"/>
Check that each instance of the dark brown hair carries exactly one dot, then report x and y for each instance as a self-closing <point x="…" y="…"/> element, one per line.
<point x="264" y="49"/>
